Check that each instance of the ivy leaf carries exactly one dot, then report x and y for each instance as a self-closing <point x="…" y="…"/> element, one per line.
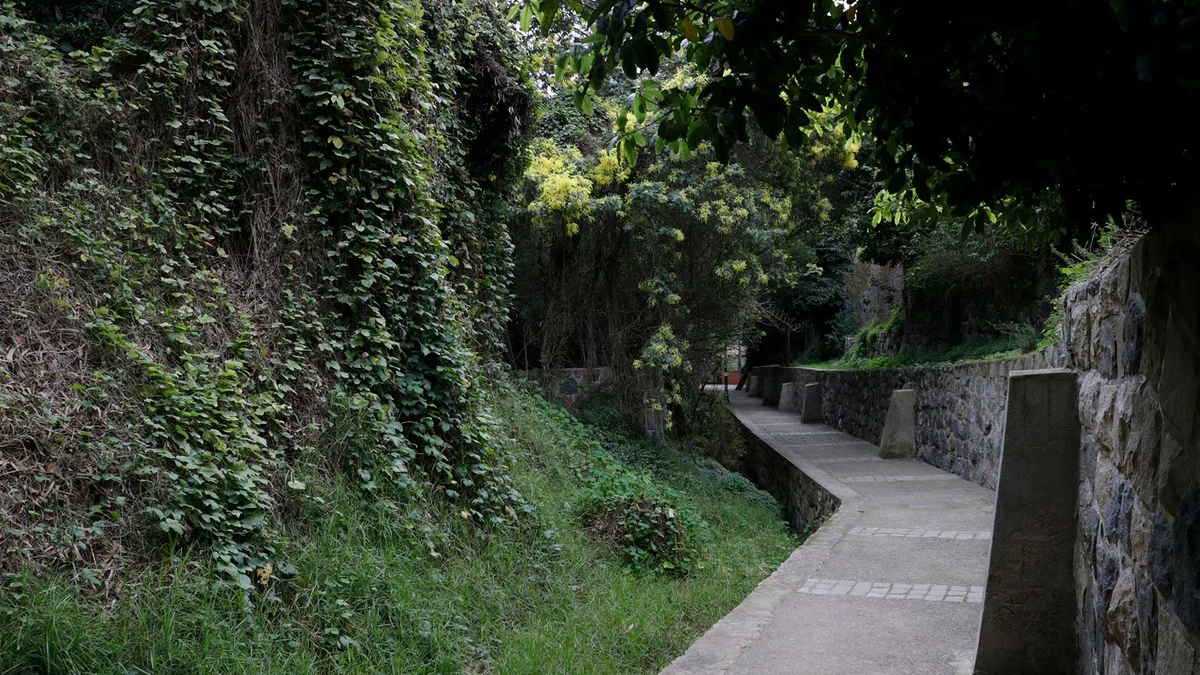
<point x="337" y="141"/>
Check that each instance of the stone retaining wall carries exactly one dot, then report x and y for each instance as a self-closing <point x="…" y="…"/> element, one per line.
<point x="960" y="409"/>
<point x="805" y="501"/>
<point x="569" y="385"/>
<point x="1133" y="335"/>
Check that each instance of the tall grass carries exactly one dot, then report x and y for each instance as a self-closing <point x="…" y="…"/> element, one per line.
<point x="1022" y="340"/>
<point x="410" y="590"/>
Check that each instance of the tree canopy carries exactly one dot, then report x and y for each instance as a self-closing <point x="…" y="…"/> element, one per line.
<point x="988" y="110"/>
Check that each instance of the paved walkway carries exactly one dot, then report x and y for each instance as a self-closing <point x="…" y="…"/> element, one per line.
<point x="891" y="583"/>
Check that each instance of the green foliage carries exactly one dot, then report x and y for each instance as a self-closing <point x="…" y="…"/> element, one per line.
<point x="844" y="325"/>
<point x="711" y="429"/>
<point x="601" y="411"/>
<point x="737" y="484"/>
<point x="78" y="24"/>
<point x="1082" y="261"/>
<point x="261" y="227"/>
<point x="146" y="244"/>
<point x="876" y="337"/>
<point x="639" y="518"/>
<point x="1081" y="264"/>
<point x="948" y="117"/>
<point x="365" y="595"/>
<point x="1019" y="339"/>
<point x="401" y="340"/>
<point x="654" y="267"/>
<point x="937" y="258"/>
<point x="960" y="289"/>
<point x="1023" y="334"/>
<point x="260" y="266"/>
<point x="630" y="510"/>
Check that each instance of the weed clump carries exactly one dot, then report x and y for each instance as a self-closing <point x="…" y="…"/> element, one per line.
<point x="640" y="519"/>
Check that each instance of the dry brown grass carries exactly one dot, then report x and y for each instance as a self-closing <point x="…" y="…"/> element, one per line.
<point x="48" y="420"/>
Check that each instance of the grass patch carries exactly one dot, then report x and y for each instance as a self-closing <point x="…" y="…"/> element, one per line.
<point x="990" y="350"/>
<point x="407" y="589"/>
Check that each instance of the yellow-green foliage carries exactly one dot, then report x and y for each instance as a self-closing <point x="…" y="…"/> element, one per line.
<point x="609" y="169"/>
<point x="564" y="193"/>
<point x="688" y="242"/>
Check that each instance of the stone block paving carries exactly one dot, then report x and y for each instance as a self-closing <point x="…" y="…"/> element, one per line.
<point x="918" y="533"/>
<point x="839" y="460"/>
<point x="827" y="440"/>
<point x="897" y="479"/>
<point x="893" y="590"/>
<point x="857" y="599"/>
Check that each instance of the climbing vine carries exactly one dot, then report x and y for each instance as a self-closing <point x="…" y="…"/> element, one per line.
<point x="401" y="336"/>
<point x="261" y="221"/>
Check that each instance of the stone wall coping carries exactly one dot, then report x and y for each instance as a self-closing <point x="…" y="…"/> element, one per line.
<point x="1060" y="372"/>
<point x="827" y="482"/>
<point x="913" y="367"/>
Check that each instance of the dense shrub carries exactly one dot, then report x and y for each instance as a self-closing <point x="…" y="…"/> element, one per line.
<point x="879" y="339"/>
<point x="737" y="484"/>
<point x="639" y="518"/>
<point x="600" y="410"/>
<point x="711" y="429"/>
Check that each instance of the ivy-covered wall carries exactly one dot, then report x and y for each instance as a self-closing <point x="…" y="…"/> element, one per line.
<point x="243" y="245"/>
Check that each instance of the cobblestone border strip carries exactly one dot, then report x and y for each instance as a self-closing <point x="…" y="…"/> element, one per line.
<point x="844" y="441"/>
<point x="893" y="591"/>
<point x="838" y="460"/>
<point x="896" y="479"/>
<point x="918" y="534"/>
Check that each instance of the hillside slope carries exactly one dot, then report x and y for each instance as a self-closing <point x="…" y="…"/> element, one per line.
<point x="238" y="237"/>
<point x="253" y="271"/>
<point x="372" y="589"/>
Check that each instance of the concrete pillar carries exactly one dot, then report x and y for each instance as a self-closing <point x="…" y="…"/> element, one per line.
<point x="755" y="388"/>
<point x="1028" y="623"/>
<point x="810" y="406"/>
<point x="899" y="437"/>
<point x="771" y="385"/>
<point x="789" y="397"/>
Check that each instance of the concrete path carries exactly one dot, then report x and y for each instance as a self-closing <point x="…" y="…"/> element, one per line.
<point x="891" y="583"/>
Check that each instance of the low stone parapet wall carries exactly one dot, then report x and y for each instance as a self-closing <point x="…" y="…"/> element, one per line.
<point x="960" y="408"/>
<point x="1132" y="335"/>
<point x="569" y="385"/>
<point x="806" y="502"/>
